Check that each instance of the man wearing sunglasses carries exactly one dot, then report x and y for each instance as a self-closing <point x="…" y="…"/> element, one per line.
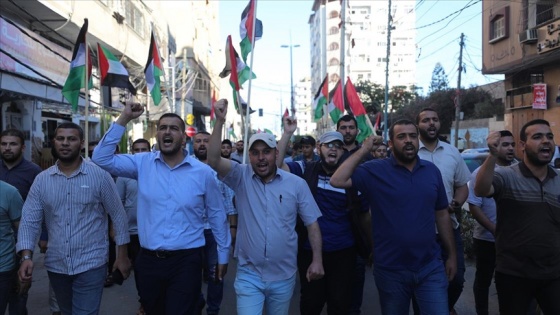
<point x="339" y="250"/>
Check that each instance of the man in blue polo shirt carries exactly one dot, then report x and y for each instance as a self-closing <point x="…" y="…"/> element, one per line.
<point x="407" y="198"/>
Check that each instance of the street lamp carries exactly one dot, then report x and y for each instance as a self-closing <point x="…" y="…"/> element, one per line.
<point x="292" y="101"/>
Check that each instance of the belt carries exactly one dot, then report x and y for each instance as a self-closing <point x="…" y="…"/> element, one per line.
<point x="167" y="253"/>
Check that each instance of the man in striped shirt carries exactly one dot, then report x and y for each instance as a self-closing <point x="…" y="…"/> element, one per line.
<point x="73" y="197"/>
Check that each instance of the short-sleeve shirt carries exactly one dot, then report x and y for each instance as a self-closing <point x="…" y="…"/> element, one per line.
<point x="10" y="212"/>
<point x="21" y="176"/>
<point x="454" y="171"/>
<point x="528" y="222"/>
<point x="403" y="205"/>
<point x="267" y="212"/>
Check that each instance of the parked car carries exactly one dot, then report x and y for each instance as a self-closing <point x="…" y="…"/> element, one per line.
<point x="474" y="160"/>
<point x="476" y="150"/>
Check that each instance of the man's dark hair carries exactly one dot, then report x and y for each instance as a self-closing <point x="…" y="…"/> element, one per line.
<point x="523" y="135"/>
<point x="505" y="133"/>
<point x="202" y="133"/>
<point x="14" y="133"/>
<point x="425" y="109"/>
<point x="141" y="140"/>
<point x="239" y="141"/>
<point x="172" y="115"/>
<point x="70" y="125"/>
<point x="307" y="140"/>
<point x="400" y="122"/>
<point x="92" y="143"/>
<point x="227" y="141"/>
<point x="346" y="118"/>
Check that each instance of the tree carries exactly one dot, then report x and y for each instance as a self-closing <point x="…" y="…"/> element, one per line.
<point x="439" y="79"/>
<point x="372" y="96"/>
<point x="400" y="97"/>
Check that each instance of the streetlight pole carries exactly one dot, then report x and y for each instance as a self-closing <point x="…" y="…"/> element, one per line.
<point x="292" y="100"/>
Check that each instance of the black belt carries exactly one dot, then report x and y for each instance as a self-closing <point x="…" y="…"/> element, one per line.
<point x="168" y="253"/>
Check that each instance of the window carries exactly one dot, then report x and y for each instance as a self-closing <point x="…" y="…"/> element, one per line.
<point x="134" y="17"/>
<point x="499" y="25"/>
<point x="334" y="62"/>
<point x="333" y="30"/>
<point x="333" y="46"/>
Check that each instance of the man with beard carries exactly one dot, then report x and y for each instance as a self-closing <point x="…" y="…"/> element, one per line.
<point x="407" y="258"/>
<point x="20" y="173"/>
<point x="238" y="154"/>
<point x="215" y="290"/>
<point x="73" y="198"/>
<point x="226" y="148"/>
<point x="175" y="191"/>
<point x="456" y="175"/>
<point x="269" y="200"/>
<point x="339" y="251"/>
<point x="527" y="199"/>
<point x="483" y="209"/>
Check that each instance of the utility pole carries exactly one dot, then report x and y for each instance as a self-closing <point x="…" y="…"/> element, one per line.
<point x="386" y="109"/>
<point x="458" y="93"/>
<point x="342" y="46"/>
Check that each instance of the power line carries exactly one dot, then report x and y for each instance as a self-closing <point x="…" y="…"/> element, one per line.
<point x="458" y="12"/>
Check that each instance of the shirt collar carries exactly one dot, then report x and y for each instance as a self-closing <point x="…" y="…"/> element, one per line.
<point x="278" y="174"/>
<point x="422" y="146"/>
<point x="525" y="171"/>
<point x="56" y="171"/>
<point x="419" y="162"/>
<point x="186" y="160"/>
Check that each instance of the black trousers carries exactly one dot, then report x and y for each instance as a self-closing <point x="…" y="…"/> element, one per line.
<point x="515" y="294"/>
<point x="485" y="252"/>
<point x="334" y="289"/>
<point x="170" y="285"/>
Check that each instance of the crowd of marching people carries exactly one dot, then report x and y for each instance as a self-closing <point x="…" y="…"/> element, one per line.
<point x="321" y="215"/>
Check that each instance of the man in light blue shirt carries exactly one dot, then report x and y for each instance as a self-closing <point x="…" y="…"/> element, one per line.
<point x="269" y="201"/>
<point x="175" y="191"/>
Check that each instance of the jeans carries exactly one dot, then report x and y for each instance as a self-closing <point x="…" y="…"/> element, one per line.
<point x="397" y="287"/>
<point x="253" y="294"/>
<point x="7" y="279"/>
<point x="79" y="294"/>
<point x="334" y="289"/>
<point x="515" y="294"/>
<point x="170" y="285"/>
<point x="485" y="253"/>
<point x="215" y="291"/>
<point x="358" y="279"/>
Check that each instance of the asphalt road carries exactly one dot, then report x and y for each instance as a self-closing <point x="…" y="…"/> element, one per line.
<point x="123" y="299"/>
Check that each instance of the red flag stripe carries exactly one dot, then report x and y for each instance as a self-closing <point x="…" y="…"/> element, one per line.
<point x="354" y="100"/>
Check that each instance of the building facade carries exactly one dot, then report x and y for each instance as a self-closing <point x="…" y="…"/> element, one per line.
<point x="521" y="39"/>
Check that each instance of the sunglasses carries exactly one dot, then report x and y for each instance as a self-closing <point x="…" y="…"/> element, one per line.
<point x="333" y="145"/>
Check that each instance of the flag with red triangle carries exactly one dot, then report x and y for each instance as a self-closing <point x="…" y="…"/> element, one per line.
<point x="246" y="29"/>
<point x="76" y="79"/>
<point x="237" y="70"/>
<point x="113" y="73"/>
<point x="321" y="98"/>
<point x="153" y="71"/>
<point x="213" y="110"/>
<point x="336" y="104"/>
<point x="358" y="111"/>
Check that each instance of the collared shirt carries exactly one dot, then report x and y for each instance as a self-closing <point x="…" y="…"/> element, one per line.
<point x="528" y="222"/>
<point x="21" y="176"/>
<point x="347" y="154"/>
<point x="171" y="201"/>
<point x="237" y="157"/>
<point x="301" y="157"/>
<point x="403" y="206"/>
<point x="454" y="171"/>
<point x="75" y="211"/>
<point x="266" y="236"/>
<point x="128" y="192"/>
<point x="10" y="213"/>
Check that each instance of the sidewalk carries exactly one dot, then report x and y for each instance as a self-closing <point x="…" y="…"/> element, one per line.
<point x="123" y="299"/>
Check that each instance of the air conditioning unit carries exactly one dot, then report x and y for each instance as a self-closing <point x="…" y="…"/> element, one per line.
<point x="556" y="11"/>
<point x="528" y="36"/>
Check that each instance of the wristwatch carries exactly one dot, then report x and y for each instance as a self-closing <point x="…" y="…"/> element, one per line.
<point x="25" y="257"/>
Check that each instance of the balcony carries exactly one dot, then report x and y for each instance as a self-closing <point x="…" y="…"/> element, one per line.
<point x="518" y="98"/>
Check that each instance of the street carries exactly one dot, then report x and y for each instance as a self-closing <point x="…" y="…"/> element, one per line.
<point x="123" y="299"/>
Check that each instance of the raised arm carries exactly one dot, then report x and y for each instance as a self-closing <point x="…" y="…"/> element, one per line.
<point x="342" y="177"/>
<point x="290" y="125"/>
<point x="483" y="185"/>
<point x="221" y="165"/>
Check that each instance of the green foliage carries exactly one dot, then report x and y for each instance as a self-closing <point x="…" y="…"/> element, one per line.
<point x="372" y="96"/>
<point x="439" y="79"/>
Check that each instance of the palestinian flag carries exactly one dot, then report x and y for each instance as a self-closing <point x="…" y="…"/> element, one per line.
<point x="286" y="114"/>
<point x="267" y="131"/>
<point x="213" y="110"/>
<point x="238" y="72"/>
<point x="321" y="98"/>
<point x="77" y="76"/>
<point x="336" y="105"/>
<point x="153" y="71"/>
<point x="243" y="104"/>
<point x="246" y="29"/>
<point x="377" y="126"/>
<point x="113" y="73"/>
<point x="231" y="132"/>
<point x="358" y="111"/>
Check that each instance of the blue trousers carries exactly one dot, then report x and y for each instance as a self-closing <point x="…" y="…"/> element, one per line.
<point x="215" y="291"/>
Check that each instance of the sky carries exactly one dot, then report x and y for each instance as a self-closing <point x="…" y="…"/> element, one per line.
<point x="283" y="19"/>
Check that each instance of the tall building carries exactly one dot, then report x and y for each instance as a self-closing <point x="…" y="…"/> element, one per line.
<point x="521" y="39"/>
<point x="365" y="46"/>
<point x="303" y="97"/>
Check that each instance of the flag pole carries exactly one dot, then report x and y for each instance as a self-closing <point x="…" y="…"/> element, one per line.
<point x="245" y="140"/>
<point x="169" y="100"/>
<point x="248" y="110"/>
<point x="86" y="119"/>
<point x="101" y="94"/>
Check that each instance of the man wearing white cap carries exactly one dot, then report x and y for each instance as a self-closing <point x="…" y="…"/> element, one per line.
<point x="339" y="243"/>
<point x="268" y="200"/>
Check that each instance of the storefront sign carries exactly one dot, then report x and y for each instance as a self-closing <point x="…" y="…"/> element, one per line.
<point x="29" y="52"/>
<point x="539" y="96"/>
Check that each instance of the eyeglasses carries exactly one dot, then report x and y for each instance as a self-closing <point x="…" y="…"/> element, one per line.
<point x="333" y="145"/>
